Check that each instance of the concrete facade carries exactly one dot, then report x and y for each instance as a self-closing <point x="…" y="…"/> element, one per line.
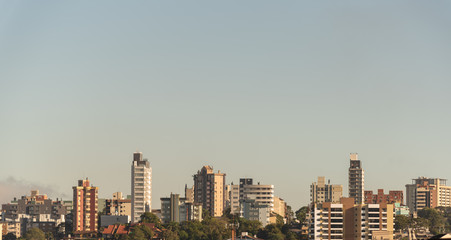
<point x="280" y="207"/>
<point x="141" y="186"/>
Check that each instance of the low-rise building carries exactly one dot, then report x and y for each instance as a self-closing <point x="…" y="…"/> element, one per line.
<point x="32" y="211"/>
<point x="391" y="198"/>
<point x="253" y="210"/>
<point x="346" y="220"/>
<point x="106" y="220"/>
<point x="118" y="206"/>
<point x="11" y="227"/>
<point x="401" y="210"/>
<point x="325" y="192"/>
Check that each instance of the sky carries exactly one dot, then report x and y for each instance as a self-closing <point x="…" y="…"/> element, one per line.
<point x="280" y="92"/>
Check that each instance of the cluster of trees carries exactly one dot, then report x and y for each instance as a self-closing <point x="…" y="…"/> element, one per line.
<point x="32" y="234"/>
<point x="214" y="228"/>
<point x="437" y="220"/>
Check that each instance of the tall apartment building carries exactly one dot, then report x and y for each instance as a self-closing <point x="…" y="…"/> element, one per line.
<point x="85" y="208"/>
<point x="392" y="197"/>
<point x="346" y="220"/>
<point x="263" y="194"/>
<point x="177" y="209"/>
<point x="209" y="190"/>
<point x="141" y="186"/>
<point x="427" y="192"/>
<point x="356" y="179"/>
<point x="321" y="192"/>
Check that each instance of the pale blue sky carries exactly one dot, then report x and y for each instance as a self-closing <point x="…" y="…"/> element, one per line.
<point x="278" y="91"/>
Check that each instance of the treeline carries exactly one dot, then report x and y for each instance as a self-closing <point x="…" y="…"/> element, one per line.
<point x="218" y="229"/>
<point x="437" y="220"/>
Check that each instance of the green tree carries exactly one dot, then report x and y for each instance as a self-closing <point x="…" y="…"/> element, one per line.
<point x="279" y="221"/>
<point x="301" y="213"/>
<point x="170" y="235"/>
<point x="137" y="234"/>
<point x="147" y="231"/>
<point x="271" y="232"/>
<point x="192" y="230"/>
<point x="149" y="217"/>
<point x="206" y="214"/>
<point x="49" y="236"/>
<point x="289" y="214"/>
<point x="215" y="228"/>
<point x="250" y="226"/>
<point x="401" y="222"/>
<point x="10" y="236"/>
<point x="435" y="219"/>
<point x="123" y="237"/>
<point x="35" y="234"/>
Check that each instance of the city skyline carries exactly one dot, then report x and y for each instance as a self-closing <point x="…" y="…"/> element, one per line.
<point x="276" y="92"/>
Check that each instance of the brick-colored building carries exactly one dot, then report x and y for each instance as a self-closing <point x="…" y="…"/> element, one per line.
<point x="85" y="208"/>
<point x="392" y="197"/>
<point x="427" y="193"/>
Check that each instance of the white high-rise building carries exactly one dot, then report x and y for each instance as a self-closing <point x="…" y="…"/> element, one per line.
<point x="141" y="186"/>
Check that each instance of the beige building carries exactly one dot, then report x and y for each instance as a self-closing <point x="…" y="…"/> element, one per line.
<point x="427" y="192"/>
<point x="321" y="192"/>
<point x="209" y="190"/>
<point x="280" y="206"/>
<point x="12" y="227"/>
<point x="118" y="206"/>
<point x="346" y="220"/>
<point x="382" y="235"/>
